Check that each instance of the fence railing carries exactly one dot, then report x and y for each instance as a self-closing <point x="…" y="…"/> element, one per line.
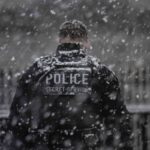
<point x="135" y="85"/>
<point x="7" y="86"/>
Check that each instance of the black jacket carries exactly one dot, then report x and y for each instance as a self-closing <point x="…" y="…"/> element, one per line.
<point x="70" y="99"/>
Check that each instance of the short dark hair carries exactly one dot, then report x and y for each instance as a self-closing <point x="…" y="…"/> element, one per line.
<point x="74" y="29"/>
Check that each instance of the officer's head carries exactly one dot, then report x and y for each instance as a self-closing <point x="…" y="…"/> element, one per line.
<point x="74" y="32"/>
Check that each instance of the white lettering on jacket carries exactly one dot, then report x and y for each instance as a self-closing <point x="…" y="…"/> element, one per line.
<point x="71" y="78"/>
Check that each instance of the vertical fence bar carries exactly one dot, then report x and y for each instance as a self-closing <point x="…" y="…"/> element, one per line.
<point x="2" y="86"/>
<point x="140" y="133"/>
<point x="136" y="86"/>
<point x="143" y="90"/>
<point x="148" y="85"/>
<point x="148" y="132"/>
<point x="121" y="77"/>
<point x="139" y="137"/>
<point x="144" y="131"/>
<point x="132" y="84"/>
<point x="128" y="86"/>
<point x="135" y="131"/>
<point x="125" y="86"/>
<point x="10" y="85"/>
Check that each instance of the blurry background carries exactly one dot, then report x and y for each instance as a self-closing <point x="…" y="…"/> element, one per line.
<point x="120" y="34"/>
<point x="119" y="29"/>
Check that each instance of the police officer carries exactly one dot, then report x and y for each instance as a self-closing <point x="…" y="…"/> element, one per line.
<point x="69" y="100"/>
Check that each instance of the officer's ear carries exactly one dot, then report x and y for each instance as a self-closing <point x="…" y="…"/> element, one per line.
<point x="60" y="40"/>
<point x="87" y="44"/>
<point x="64" y="40"/>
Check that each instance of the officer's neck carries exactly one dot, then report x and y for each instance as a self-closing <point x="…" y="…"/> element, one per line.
<point x="84" y="44"/>
<point x="73" y="44"/>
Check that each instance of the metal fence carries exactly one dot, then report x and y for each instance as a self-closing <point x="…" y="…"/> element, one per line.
<point x="7" y="86"/>
<point x="135" y="87"/>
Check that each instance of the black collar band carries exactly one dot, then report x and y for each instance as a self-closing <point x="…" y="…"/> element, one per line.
<point x="68" y="47"/>
<point x="70" y="51"/>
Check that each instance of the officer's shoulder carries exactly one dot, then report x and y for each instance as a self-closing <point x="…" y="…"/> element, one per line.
<point x="43" y="61"/>
<point x="36" y="68"/>
<point x="94" y="60"/>
<point x="100" y="67"/>
<point x="97" y="63"/>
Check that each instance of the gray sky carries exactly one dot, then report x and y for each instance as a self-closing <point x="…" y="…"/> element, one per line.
<point x="19" y="48"/>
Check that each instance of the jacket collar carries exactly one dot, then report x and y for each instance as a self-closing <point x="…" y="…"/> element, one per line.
<point x="69" y="50"/>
